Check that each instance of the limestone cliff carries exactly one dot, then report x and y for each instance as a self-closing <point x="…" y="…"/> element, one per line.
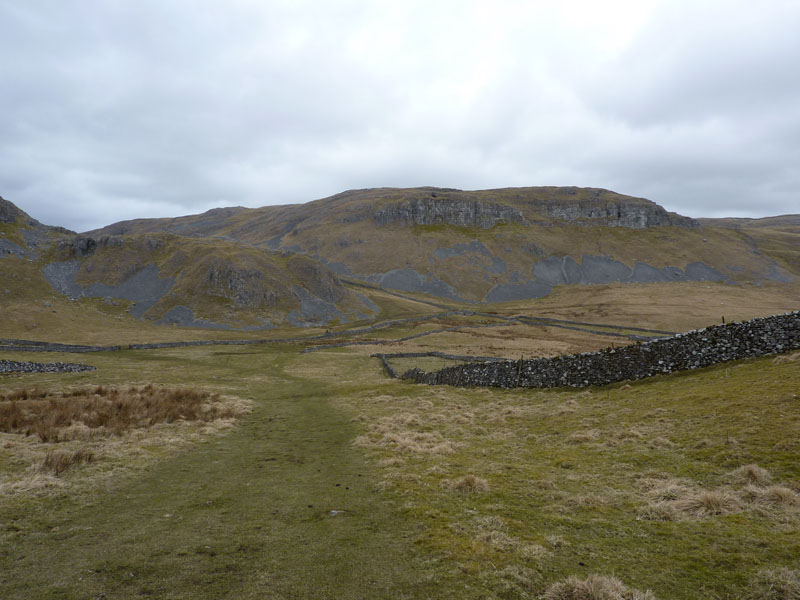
<point x="593" y="206"/>
<point x="449" y="211"/>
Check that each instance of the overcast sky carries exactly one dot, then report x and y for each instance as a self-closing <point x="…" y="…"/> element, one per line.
<point x="114" y="110"/>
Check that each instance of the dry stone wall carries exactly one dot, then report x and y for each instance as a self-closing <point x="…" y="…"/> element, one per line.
<point x="13" y="366"/>
<point x="691" y="350"/>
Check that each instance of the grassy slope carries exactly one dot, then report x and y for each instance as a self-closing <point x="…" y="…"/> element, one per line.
<point x="341" y="229"/>
<point x="231" y="517"/>
<point x="24" y="290"/>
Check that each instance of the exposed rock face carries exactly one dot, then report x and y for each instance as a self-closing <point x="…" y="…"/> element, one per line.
<point x="313" y="311"/>
<point x="8" y="248"/>
<point x="603" y="208"/>
<point x="555" y="270"/>
<point x="144" y="287"/>
<point x="565" y="270"/>
<point x="435" y="211"/>
<point x="244" y="286"/>
<point x="317" y="279"/>
<point x="409" y="280"/>
<point x="185" y="317"/>
<point x="578" y="206"/>
<point x="8" y="212"/>
<point x="83" y="246"/>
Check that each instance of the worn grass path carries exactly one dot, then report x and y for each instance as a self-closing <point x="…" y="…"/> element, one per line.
<point x="243" y="516"/>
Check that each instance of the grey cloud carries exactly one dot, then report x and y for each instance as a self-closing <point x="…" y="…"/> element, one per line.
<point x="121" y="110"/>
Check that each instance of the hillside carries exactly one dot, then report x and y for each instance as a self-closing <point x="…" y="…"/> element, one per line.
<point x="496" y="245"/>
<point x="169" y="279"/>
<point x="202" y="463"/>
<point x="776" y="237"/>
<point x="21" y="235"/>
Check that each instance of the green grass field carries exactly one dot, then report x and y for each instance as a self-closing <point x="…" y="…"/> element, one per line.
<point x="341" y="483"/>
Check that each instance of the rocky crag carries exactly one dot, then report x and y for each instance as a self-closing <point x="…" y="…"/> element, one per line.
<point x="491" y="245"/>
<point x="173" y="280"/>
<point x="685" y="351"/>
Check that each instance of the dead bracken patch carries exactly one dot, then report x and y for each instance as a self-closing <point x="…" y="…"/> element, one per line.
<point x="101" y="432"/>
<point x="594" y="587"/>
<point x="101" y="411"/>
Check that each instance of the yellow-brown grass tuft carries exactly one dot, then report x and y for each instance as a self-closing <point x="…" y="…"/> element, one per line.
<point x="780" y="496"/>
<point x="59" y="461"/>
<point x="707" y="502"/>
<point x="750" y="474"/>
<point x="470" y="484"/>
<point x="774" y="584"/>
<point x="786" y="358"/>
<point x="589" y="435"/>
<point x="59" y="416"/>
<point x="594" y="587"/>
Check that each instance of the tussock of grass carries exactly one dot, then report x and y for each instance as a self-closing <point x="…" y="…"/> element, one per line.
<point x="786" y="358"/>
<point x="45" y="434"/>
<point x="778" y="495"/>
<point x="469" y="484"/>
<point x="59" y="461"/>
<point x="591" y="435"/>
<point x="673" y="499"/>
<point x="594" y="587"/>
<point x="405" y="432"/>
<point x="708" y="502"/>
<point x="750" y="474"/>
<point x="775" y="584"/>
<point x="59" y="416"/>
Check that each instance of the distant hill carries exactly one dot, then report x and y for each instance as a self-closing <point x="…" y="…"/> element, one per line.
<point x="166" y="278"/>
<point x="744" y="223"/>
<point x="776" y="237"/>
<point x="493" y="245"/>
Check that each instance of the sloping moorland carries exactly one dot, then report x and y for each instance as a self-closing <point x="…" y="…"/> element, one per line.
<point x="311" y="474"/>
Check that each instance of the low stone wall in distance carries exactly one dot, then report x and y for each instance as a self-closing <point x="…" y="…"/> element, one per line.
<point x="691" y="350"/>
<point x="13" y="366"/>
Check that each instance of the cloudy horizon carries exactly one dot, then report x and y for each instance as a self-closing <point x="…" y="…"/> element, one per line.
<point x="115" y="110"/>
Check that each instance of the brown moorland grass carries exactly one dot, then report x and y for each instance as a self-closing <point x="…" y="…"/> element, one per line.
<point x="751" y="474"/>
<point x="774" y="584"/>
<point x="53" y="416"/>
<point x="59" y="461"/>
<point x="594" y="587"/>
<point x="470" y="484"/>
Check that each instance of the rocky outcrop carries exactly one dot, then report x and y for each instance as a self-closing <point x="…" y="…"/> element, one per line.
<point x="8" y="212"/>
<point x="684" y="351"/>
<point x="316" y="278"/>
<point x="448" y="211"/>
<point x="565" y="270"/>
<point x="185" y="317"/>
<point x="409" y="280"/>
<point x="594" y="206"/>
<point x="82" y="246"/>
<point x="145" y="287"/>
<point x="246" y="287"/>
